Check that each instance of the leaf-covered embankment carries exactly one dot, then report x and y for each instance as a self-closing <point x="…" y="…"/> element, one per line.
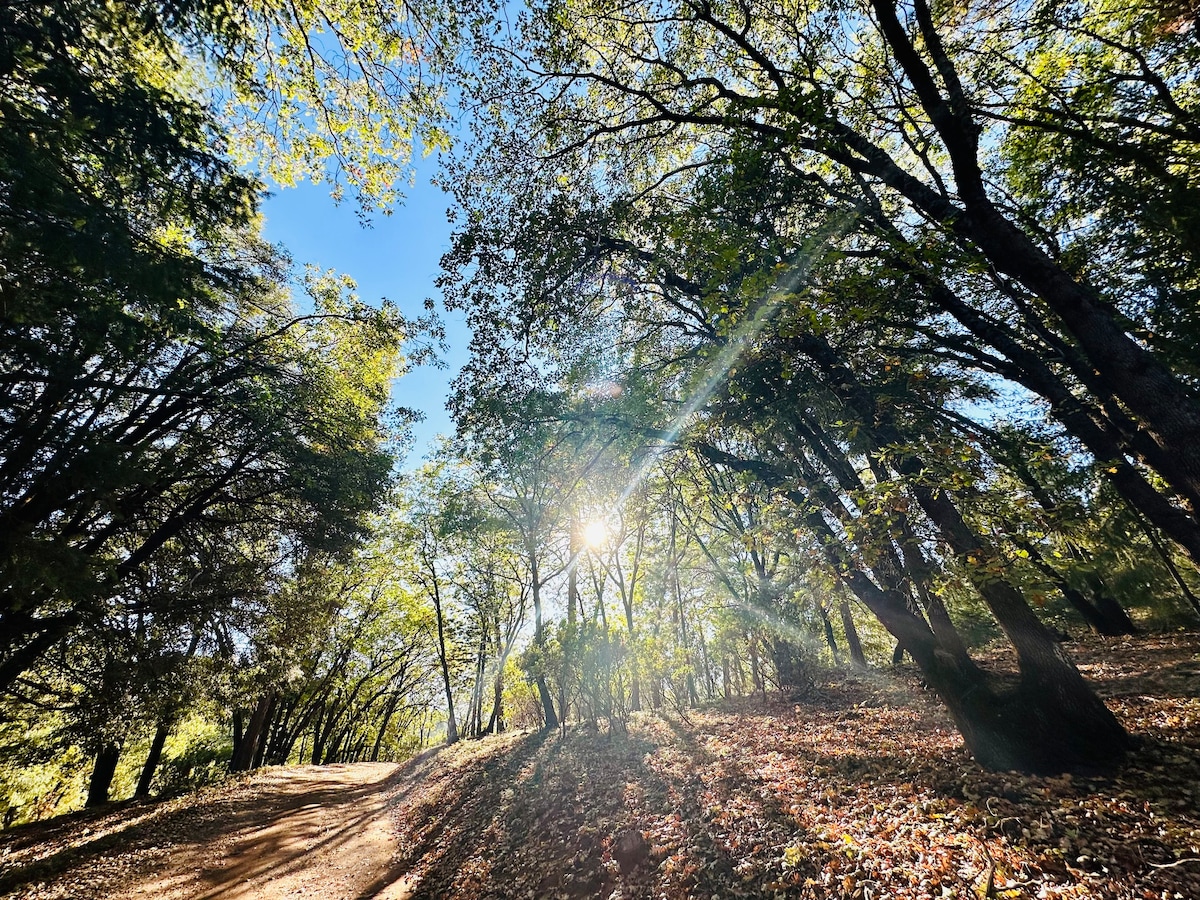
<point x="862" y="791"/>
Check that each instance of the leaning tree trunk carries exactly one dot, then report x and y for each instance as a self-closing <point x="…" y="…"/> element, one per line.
<point x="1047" y="720"/>
<point x="1105" y="617"/>
<point x="161" y="732"/>
<point x="1058" y="719"/>
<point x="1084" y="420"/>
<point x="388" y="711"/>
<point x="1166" y="407"/>
<point x="103" y="770"/>
<point x="857" y="657"/>
<point x="1052" y="719"/>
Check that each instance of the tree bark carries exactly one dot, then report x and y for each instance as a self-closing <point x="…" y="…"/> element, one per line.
<point x="1104" y="439"/>
<point x="1167" y="408"/>
<point x="247" y="749"/>
<point x="161" y="732"/>
<point x="103" y="770"/>
<point x="857" y="657"/>
<point x="1048" y="721"/>
<point x="1053" y="689"/>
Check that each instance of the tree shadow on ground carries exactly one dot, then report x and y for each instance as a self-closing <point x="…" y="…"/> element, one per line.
<point x="580" y="816"/>
<point x="130" y="827"/>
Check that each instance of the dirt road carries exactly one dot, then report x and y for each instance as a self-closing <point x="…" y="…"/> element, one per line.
<point x="317" y="832"/>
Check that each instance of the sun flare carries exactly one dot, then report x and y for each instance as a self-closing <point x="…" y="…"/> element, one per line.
<point x="594" y="534"/>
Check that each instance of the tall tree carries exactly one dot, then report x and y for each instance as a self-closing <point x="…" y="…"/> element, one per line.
<point x="892" y="108"/>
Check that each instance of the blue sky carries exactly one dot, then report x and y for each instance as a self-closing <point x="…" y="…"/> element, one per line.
<point x="396" y="257"/>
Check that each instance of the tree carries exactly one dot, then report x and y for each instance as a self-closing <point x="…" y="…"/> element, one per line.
<point x="528" y="480"/>
<point x="347" y="647"/>
<point x="156" y="380"/>
<point x="925" y="122"/>
<point x="752" y="345"/>
<point x="490" y="578"/>
<point x="435" y="524"/>
<point x="173" y="433"/>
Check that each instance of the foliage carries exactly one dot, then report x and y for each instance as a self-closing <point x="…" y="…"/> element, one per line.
<point x="176" y="436"/>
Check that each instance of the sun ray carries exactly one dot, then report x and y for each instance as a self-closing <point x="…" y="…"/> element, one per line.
<point x="739" y="342"/>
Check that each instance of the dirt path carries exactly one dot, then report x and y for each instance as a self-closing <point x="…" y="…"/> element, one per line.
<point x="325" y="833"/>
<point x="317" y="832"/>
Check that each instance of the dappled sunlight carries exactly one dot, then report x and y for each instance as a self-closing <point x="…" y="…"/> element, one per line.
<point x="861" y="790"/>
<point x="783" y="335"/>
<point x="232" y="841"/>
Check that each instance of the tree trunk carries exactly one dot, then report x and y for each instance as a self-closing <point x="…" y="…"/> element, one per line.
<point x="388" y="711"/>
<point x="161" y="732"/>
<point x="710" y="678"/>
<point x="1083" y="420"/>
<point x="1066" y="723"/>
<point x="1048" y="721"/>
<point x="260" y="751"/>
<point x="1096" y="620"/>
<point x="757" y="682"/>
<point x="1114" y="613"/>
<point x="1108" y="619"/>
<point x="539" y="640"/>
<point x="1166" y="407"/>
<point x="451" y="724"/>
<point x="789" y="665"/>
<point x="496" y="720"/>
<point x="319" y="734"/>
<point x="827" y="628"/>
<point x="857" y="658"/>
<point x="475" y="717"/>
<point x="1165" y="555"/>
<point x="247" y="749"/>
<point x="239" y="728"/>
<point x="739" y="674"/>
<point x="103" y="770"/>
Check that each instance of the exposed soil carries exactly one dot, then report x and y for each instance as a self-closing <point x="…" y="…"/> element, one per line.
<point x="310" y="831"/>
<point x="861" y="790"/>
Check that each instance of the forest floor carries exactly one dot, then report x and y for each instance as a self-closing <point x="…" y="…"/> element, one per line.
<point x="860" y="790"/>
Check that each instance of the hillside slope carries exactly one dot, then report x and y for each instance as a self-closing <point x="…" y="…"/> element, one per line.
<point x="860" y="791"/>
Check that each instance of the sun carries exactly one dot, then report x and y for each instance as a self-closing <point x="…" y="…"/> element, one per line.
<point x="594" y="534"/>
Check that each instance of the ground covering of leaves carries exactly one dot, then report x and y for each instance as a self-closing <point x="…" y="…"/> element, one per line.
<point x="860" y="790"/>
